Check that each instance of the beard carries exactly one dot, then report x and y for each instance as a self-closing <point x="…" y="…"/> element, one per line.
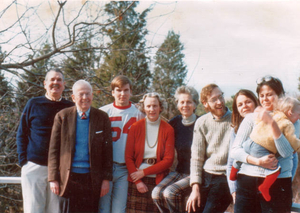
<point x="218" y="112"/>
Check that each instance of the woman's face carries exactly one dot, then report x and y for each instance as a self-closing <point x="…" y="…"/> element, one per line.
<point x="152" y="108"/>
<point x="186" y="105"/>
<point x="244" y="105"/>
<point x="267" y="97"/>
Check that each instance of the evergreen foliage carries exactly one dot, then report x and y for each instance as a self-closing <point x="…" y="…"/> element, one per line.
<point x="170" y="70"/>
<point x="127" y="53"/>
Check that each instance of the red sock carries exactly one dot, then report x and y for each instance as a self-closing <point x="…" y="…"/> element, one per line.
<point x="233" y="173"/>
<point x="265" y="186"/>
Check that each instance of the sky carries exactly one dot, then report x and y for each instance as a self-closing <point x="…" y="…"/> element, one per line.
<point x="230" y="43"/>
<point x="233" y="43"/>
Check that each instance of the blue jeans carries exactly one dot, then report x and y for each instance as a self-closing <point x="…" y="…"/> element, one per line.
<point x="115" y="200"/>
<point x="215" y="194"/>
<point x="248" y="198"/>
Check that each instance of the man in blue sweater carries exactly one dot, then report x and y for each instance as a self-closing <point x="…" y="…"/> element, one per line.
<point x="33" y="138"/>
<point x="80" y="152"/>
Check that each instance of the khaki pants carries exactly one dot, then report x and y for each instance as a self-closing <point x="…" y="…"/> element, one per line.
<point x="37" y="196"/>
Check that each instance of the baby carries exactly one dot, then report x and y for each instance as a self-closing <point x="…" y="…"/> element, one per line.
<point x="262" y="142"/>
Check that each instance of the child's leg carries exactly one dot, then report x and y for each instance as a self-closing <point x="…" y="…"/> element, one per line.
<point x="234" y="170"/>
<point x="265" y="186"/>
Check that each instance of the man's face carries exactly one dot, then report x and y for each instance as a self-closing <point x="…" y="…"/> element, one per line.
<point x="216" y="103"/>
<point x="122" y="95"/>
<point x="54" y="84"/>
<point x="83" y="97"/>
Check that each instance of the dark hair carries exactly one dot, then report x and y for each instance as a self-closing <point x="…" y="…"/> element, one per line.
<point x="236" y="118"/>
<point x="54" y="70"/>
<point x="274" y="83"/>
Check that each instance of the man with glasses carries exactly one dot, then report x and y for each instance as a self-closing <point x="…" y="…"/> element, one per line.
<point x="210" y="192"/>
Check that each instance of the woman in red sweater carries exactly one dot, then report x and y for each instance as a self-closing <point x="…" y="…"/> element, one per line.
<point x="149" y="154"/>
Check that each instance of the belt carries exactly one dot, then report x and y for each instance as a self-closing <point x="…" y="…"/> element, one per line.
<point x="150" y="161"/>
<point x="120" y="164"/>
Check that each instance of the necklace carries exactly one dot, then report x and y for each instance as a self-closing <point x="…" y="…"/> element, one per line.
<point x="146" y="138"/>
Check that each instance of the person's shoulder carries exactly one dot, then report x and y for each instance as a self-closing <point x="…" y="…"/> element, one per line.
<point x="106" y="107"/>
<point x="99" y="111"/>
<point x="175" y="118"/>
<point x="67" y="110"/>
<point x="67" y="102"/>
<point x="35" y="101"/>
<point x="165" y="124"/>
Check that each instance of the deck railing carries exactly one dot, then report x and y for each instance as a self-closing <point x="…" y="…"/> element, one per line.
<point x="17" y="180"/>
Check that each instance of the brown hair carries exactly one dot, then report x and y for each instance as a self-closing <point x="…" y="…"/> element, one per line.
<point x="120" y="81"/>
<point x="274" y="83"/>
<point x="236" y="118"/>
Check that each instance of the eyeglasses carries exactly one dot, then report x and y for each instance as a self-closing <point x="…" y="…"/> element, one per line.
<point x="267" y="78"/>
<point x="214" y="100"/>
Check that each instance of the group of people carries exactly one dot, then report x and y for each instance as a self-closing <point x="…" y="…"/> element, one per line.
<point x="116" y="159"/>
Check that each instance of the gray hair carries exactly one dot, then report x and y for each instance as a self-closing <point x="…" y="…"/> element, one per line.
<point x="187" y="90"/>
<point x="287" y="103"/>
<point x="54" y="70"/>
<point x="162" y="102"/>
<point x="81" y="83"/>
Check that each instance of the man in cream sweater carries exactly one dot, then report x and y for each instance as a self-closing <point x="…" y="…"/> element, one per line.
<point x="210" y="192"/>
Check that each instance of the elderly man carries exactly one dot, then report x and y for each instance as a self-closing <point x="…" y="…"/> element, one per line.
<point x="80" y="152"/>
<point x="33" y="138"/>
<point x="210" y="192"/>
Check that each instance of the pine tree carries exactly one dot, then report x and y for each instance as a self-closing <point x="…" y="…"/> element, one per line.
<point x="127" y="53"/>
<point x="170" y="70"/>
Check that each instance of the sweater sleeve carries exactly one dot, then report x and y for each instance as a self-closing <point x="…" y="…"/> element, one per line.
<point x="168" y="156"/>
<point x="198" y="154"/>
<point x="237" y="151"/>
<point x="22" y="135"/>
<point x="130" y="151"/>
<point x="232" y="184"/>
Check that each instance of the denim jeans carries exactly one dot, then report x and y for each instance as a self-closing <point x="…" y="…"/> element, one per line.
<point x="248" y="198"/>
<point x="115" y="200"/>
<point x="215" y="194"/>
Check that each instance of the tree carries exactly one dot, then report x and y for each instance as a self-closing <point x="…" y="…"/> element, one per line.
<point x="170" y="70"/>
<point x="127" y="54"/>
<point x="31" y="83"/>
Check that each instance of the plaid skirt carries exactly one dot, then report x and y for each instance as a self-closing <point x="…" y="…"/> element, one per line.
<point x="141" y="202"/>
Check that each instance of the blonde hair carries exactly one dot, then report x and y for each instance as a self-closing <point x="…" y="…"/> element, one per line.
<point x="287" y="103"/>
<point x="162" y="102"/>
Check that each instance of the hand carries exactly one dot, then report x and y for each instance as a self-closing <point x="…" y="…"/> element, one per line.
<point x="233" y="197"/>
<point x="54" y="186"/>
<point x="141" y="187"/>
<point x="268" y="161"/>
<point x="263" y="115"/>
<point x="194" y="199"/>
<point x="104" y="188"/>
<point x="135" y="176"/>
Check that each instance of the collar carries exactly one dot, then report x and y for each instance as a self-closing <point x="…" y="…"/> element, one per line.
<point x="189" y="121"/>
<point x="48" y="97"/>
<point x="122" y="107"/>
<point x="227" y="112"/>
<point x="87" y="113"/>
